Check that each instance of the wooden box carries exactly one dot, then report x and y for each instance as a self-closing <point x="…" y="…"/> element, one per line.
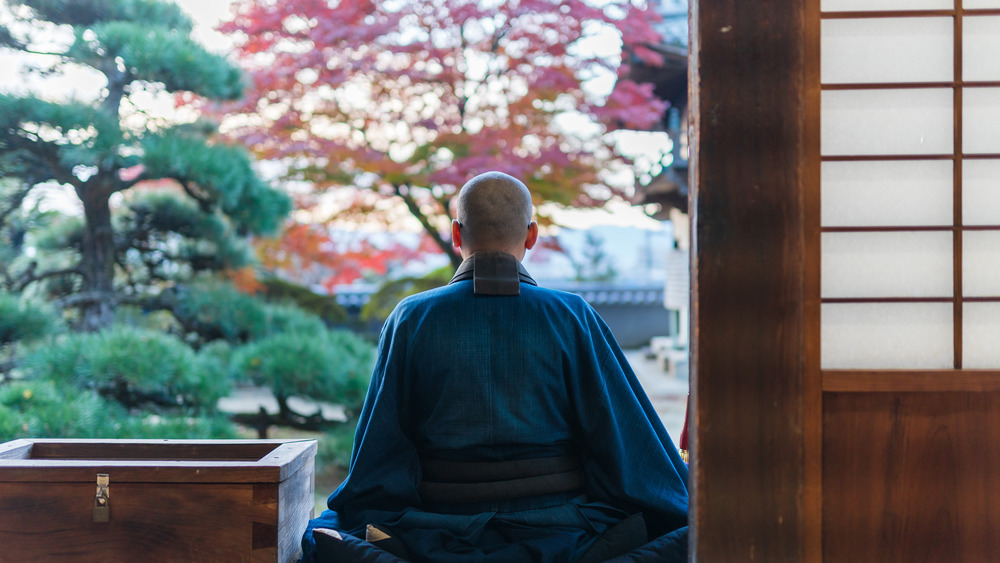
<point x="161" y="500"/>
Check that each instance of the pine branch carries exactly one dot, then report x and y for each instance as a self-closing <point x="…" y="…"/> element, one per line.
<point x="204" y="203"/>
<point x="46" y="53"/>
<point x="29" y="276"/>
<point x="8" y="280"/>
<point x="286" y="416"/>
<point x="167" y="300"/>
<point x="122" y="391"/>
<point x="130" y="280"/>
<point x="48" y="165"/>
<point x="15" y="202"/>
<point x="262" y="421"/>
<point x="96" y="297"/>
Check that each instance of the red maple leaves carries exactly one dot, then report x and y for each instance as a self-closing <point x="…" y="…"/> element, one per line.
<point x="407" y="100"/>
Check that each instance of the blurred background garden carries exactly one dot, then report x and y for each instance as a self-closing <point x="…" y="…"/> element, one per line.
<point x="207" y="208"/>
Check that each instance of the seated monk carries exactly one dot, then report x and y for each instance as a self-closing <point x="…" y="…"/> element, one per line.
<point x="503" y="423"/>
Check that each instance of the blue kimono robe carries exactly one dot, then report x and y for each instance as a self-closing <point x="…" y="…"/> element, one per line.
<point x="468" y="377"/>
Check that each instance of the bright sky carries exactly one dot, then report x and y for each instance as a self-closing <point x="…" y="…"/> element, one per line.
<point x="208" y="13"/>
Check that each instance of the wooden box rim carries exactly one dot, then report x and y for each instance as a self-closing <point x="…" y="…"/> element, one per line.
<point x="153" y="461"/>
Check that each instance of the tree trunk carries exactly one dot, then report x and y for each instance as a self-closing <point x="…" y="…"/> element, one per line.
<point x="445" y="245"/>
<point x="453" y="255"/>
<point x="98" y="261"/>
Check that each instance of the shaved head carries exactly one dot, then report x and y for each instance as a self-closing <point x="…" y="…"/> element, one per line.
<point x="494" y="210"/>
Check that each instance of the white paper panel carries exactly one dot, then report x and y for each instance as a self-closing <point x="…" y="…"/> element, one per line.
<point x="886" y="336"/>
<point x="980" y="334"/>
<point x="879" y="5"/>
<point x="887" y="122"/>
<point x="887" y="193"/>
<point x="893" y="264"/>
<point x="980" y="4"/>
<point x="981" y="264"/>
<point x="980" y="48"/>
<point x="981" y="120"/>
<point x="981" y="192"/>
<point x="881" y="50"/>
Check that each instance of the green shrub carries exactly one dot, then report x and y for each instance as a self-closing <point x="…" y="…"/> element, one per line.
<point x="60" y="233"/>
<point x="178" y="427"/>
<point x="324" y="306"/>
<point x="20" y="320"/>
<point x="333" y="453"/>
<point x="219" y="311"/>
<point x="42" y="409"/>
<point x="328" y="365"/>
<point x="133" y="366"/>
<point x="290" y="318"/>
<point x="219" y="351"/>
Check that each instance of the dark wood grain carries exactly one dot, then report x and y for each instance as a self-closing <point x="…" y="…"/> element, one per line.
<point x="168" y="501"/>
<point x="27" y="471"/>
<point x="791" y="463"/>
<point x="748" y="321"/>
<point x="812" y="393"/>
<point x="180" y="522"/>
<point x="180" y="450"/>
<point x="888" y="381"/>
<point x="911" y="477"/>
<point x="174" y="461"/>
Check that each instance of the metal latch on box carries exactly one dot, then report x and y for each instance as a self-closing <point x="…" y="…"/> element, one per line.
<point x="102" y="501"/>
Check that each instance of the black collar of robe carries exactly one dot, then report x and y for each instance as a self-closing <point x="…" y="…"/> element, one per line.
<point x="493" y="273"/>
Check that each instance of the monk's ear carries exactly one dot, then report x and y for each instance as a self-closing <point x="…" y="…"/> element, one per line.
<point x="456" y="233"/>
<point x="532" y="237"/>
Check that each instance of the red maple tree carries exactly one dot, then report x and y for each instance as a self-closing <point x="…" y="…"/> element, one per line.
<point x="405" y="101"/>
<point x="309" y="254"/>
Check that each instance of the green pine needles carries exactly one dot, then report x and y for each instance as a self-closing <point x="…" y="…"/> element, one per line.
<point x="119" y="220"/>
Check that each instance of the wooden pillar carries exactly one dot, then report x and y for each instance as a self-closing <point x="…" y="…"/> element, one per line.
<point x="749" y="388"/>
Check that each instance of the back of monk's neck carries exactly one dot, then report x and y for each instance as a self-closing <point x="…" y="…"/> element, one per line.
<point x="493" y="273"/>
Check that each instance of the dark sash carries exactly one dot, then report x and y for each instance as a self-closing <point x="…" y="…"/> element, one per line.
<point x="472" y="481"/>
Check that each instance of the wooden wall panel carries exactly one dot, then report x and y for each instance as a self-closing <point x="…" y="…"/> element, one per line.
<point x="747" y="281"/>
<point x="911" y="477"/>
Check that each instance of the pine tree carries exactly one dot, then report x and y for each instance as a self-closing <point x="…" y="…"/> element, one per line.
<point x="210" y="196"/>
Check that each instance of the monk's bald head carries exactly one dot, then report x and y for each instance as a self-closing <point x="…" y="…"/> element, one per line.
<point x="494" y="210"/>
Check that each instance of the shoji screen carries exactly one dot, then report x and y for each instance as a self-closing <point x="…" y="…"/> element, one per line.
<point x="903" y="229"/>
<point x="910" y="184"/>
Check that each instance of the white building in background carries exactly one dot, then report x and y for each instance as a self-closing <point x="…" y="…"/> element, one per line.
<point x="666" y="190"/>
